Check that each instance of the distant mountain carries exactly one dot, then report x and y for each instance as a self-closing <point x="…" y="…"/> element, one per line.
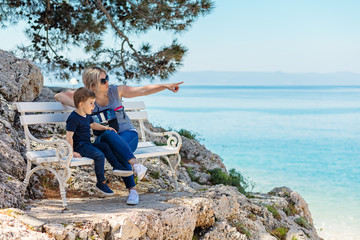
<point x="267" y="78"/>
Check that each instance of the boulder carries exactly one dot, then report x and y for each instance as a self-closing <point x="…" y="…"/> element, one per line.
<point x="299" y="203"/>
<point x="12" y="166"/>
<point x="20" y="79"/>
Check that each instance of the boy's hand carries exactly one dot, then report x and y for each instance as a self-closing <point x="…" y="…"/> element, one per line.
<point x="110" y="128"/>
<point x="76" y="155"/>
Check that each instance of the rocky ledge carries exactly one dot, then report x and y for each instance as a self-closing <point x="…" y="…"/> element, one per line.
<point x="198" y="211"/>
<point x="216" y="212"/>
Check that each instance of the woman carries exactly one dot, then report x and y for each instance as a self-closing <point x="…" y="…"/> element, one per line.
<point x="109" y="103"/>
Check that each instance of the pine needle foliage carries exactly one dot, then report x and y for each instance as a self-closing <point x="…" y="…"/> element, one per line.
<point x="55" y="27"/>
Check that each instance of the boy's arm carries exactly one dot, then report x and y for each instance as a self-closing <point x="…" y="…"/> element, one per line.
<point x="69" y="139"/>
<point x="99" y="127"/>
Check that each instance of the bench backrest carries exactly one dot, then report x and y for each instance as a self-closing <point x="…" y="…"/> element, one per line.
<point x="27" y="107"/>
<point x="55" y="112"/>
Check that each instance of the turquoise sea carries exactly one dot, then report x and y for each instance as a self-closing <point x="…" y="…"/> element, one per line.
<point x="306" y="138"/>
<point x="303" y="137"/>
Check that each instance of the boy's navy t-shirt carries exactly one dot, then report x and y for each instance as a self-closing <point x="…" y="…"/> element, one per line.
<point x="80" y="125"/>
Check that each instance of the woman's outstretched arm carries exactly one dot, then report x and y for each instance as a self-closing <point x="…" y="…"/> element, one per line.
<point x="130" y="92"/>
<point x="66" y="98"/>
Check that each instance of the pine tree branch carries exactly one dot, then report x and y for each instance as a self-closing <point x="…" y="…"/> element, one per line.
<point x="121" y="55"/>
<point x="102" y="8"/>
<point x="47" y="28"/>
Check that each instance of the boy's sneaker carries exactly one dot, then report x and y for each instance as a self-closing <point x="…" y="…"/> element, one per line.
<point x="139" y="170"/>
<point x="133" y="198"/>
<point x="122" y="173"/>
<point x="104" y="189"/>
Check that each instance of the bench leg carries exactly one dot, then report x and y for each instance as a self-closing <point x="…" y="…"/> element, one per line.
<point x="27" y="176"/>
<point x="175" y="167"/>
<point x="63" y="196"/>
<point x="30" y="172"/>
<point x="178" y="161"/>
<point x="173" y="170"/>
<point x="62" y="178"/>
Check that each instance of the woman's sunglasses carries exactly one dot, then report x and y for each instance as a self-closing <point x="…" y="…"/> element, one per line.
<point x="103" y="81"/>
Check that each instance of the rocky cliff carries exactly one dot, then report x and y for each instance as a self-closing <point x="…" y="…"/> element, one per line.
<point x="198" y="211"/>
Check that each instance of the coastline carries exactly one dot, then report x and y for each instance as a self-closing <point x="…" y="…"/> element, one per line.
<point x="304" y="139"/>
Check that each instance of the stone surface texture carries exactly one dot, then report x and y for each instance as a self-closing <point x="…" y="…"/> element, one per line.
<point x="219" y="212"/>
<point x="20" y="80"/>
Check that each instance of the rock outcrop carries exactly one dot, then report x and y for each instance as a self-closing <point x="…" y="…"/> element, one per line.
<point x="218" y="212"/>
<point x="20" y="80"/>
<point x="199" y="210"/>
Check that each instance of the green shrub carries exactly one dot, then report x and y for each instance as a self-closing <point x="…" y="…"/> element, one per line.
<point x="290" y="209"/>
<point x="248" y="195"/>
<point x="218" y="177"/>
<point x="251" y="216"/>
<point x="274" y="212"/>
<point x="302" y="222"/>
<point x="62" y="131"/>
<point x="241" y="229"/>
<point x="155" y="175"/>
<point x="233" y="179"/>
<point x="159" y="143"/>
<point x="280" y="233"/>
<point x="188" y="134"/>
<point x="190" y="171"/>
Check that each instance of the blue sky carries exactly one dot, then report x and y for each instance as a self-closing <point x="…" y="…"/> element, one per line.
<point x="277" y="35"/>
<point x="262" y="35"/>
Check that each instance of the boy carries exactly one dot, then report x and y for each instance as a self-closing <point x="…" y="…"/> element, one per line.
<point x="78" y="136"/>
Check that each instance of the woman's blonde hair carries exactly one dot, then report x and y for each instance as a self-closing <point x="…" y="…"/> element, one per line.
<point x="91" y="77"/>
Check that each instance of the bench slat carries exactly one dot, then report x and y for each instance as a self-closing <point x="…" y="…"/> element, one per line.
<point x="134" y="106"/>
<point x="61" y="117"/>
<point x="145" y="144"/>
<point x="145" y="151"/>
<point x="25" y="107"/>
<point x="138" y="115"/>
<point x="81" y="161"/>
<point x="47" y="156"/>
<point x="32" y="155"/>
<point x="154" y="151"/>
<point x="43" y="118"/>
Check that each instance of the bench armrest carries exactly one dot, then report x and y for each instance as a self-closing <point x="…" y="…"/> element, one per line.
<point x="174" y="139"/>
<point x="64" y="151"/>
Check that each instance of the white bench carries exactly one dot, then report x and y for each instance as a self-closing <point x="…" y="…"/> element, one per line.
<point x="58" y="155"/>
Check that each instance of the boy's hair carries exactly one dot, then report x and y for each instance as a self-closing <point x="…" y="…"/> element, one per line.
<point x="81" y="95"/>
<point x="91" y="77"/>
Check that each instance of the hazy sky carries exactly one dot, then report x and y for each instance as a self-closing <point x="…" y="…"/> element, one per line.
<point x="262" y="35"/>
<point x="277" y="35"/>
